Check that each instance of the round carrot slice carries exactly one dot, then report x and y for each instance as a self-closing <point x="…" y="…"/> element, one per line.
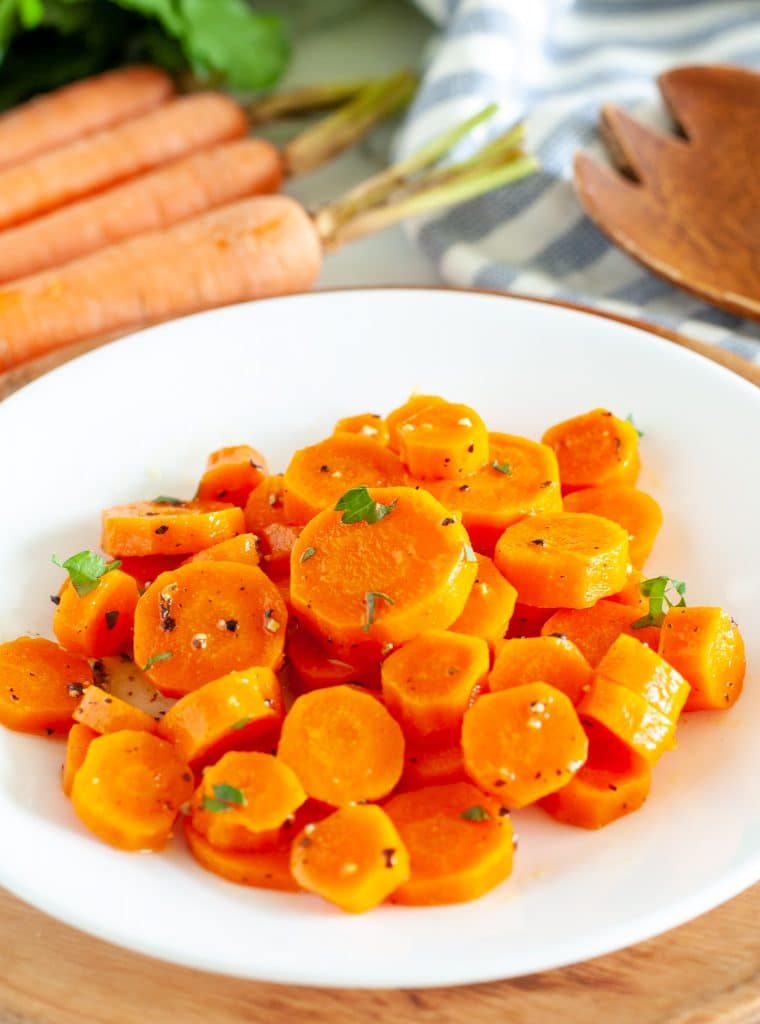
<point x="231" y="474"/>
<point x="100" y="623"/>
<point x="490" y="605"/>
<point x="630" y="717"/>
<point x="316" y="666"/>
<point x="262" y="869"/>
<point x="243" y="548"/>
<point x="343" y="745"/>
<point x="144" y="570"/>
<point x="368" y="424"/>
<point x="397" y="417"/>
<point x="706" y="647"/>
<point x="594" y="450"/>
<point x="130" y="789"/>
<point x="594" y="630"/>
<point x="638" y="513"/>
<point x="79" y="739"/>
<point x="446" y="441"/>
<point x="206" y="619"/>
<point x="104" y="712"/>
<point x="382" y="582"/>
<point x="158" y="528"/>
<point x="523" y="743"/>
<point x="433" y="765"/>
<point x="266" y="504"/>
<point x="459" y="841"/>
<point x="550" y="659"/>
<point x="634" y="665"/>
<point x="40" y="685"/>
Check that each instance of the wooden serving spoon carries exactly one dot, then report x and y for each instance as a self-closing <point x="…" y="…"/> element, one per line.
<point x="687" y="207"/>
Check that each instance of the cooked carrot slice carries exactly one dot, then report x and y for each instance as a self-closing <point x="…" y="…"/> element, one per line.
<point x="706" y="647"/>
<point x="354" y="858"/>
<point x="594" y="630"/>
<point x="613" y="782"/>
<point x="206" y="619"/>
<point x="104" y="713"/>
<point x="631" y="593"/>
<point x="570" y="559"/>
<point x="394" y="420"/>
<point x="276" y="541"/>
<point x="433" y="765"/>
<point x="382" y="582"/>
<point x="527" y="620"/>
<point x="632" y="664"/>
<point x="79" y="739"/>
<point x="144" y="569"/>
<point x="40" y="685"/>
<point x="520" y="478"/>
<point x="548" y="659"/>
<point x="100" y="623"/>
<point x="243" y="548"/>
<point x="316" y="666"/>
<point x="594" y="450"/>
<point x="429" y="683"/>
<point x="244" y="800"/>
<point x="157" y="528"/>
<point x="638" y="513"/>
<point x="343" y="745"/>
<point x="490" y="605"/>
<point x="231" y="474"/>
<point x="262" y="869"/>
<point x="459" y="841"/>
<point x="368" y="424"/>
<point x="523" y="743"/>
<point x="130" y="788"/>
<point x="630" y="717"/>
<point x="266" y="505"/>
<point x="224" y="714"/>
<point x="445" y="441"/>
<point x="319" y="475"/>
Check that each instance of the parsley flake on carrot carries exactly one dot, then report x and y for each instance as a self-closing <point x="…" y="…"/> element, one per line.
<point x="85" y="570"/>
<point x="358" y="506"/>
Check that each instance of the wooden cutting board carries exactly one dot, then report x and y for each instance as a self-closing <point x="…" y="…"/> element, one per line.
<point x="706" y="972"/>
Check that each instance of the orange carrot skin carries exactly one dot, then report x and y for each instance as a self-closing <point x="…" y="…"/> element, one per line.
<point x="104" y="713"/>
<point x="244" y="548"/>
<point x="706" y="647"/>
<point x="629" y="717"/>
<point x="368" y="424"/>
<point x="433" y="766"/>
<point x="144" y="569"/>
<point x="210" y="618"/>
<point x="102" y="622"/>
<point x="453" y="858"/>
<point x="446" y="441"/>
<point x="594" y="450"/>
<point x="40" y="685"/>
<point x="130" y="788"/>
<point x="262" y="869"/>
<point x="632" y="664"/>
<point x="594" y="630"/>
<point x="490" y="605"/>
<point x="354" y="858"/>
<point x="553" y="660"/>
<point x="231" y="474"/>
<point x="638" y="513"/>
<point x="154" y="528"/>
<point x="79" y="739"/>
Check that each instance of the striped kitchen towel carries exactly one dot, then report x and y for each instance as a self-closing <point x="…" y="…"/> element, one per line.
<point x="555" y="62"/>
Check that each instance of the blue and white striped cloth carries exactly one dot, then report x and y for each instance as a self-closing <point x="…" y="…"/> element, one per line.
<point x="555" y="62"/>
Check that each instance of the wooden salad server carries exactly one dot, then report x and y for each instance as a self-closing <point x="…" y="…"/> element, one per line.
<point x="687" y="206"/>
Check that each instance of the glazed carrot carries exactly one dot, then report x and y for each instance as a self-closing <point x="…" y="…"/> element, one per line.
<point x="395" y="418"/>
<point x="40" y="685"/>
<point x="79" y="739"/>
<point x="630" y="717"/>
<point x="490" y="605"/>
<point x="231" y="474"/>
<point x="613" y="782"/>
<point x="104" y="713"/>
<point x="520" y="478"/>
<point x="706" y="647"/>
<point x="343" y="745"/>
<point x="548" y="659"/>
<point x="150" y="202"/>
<point x="527" y="620"/>
<point x="631" y="593"/>
<point x="632" y="664"/>
<point x="317" y="476"/>
<point x="262" y="869"/>
<point x="354" y="858"/>
<point x="594" y="450"/>
<point x="523" y="743"/>
<point x="52" y="179"/>
<point x="594" y="630"/>
<point x="277" y="541"/>
<point x="157" y="528"/>
<point x="257" y="247"/>
<point x="459" y="841"/>
<point x="244" y="548"/>
<point x="130" y="788"/>
<point x="570" y="559"/>
<point x="144" y="569"/>
<point x="266" y="505"/>
<point x="223" y="715"/>
<point x="316" y="666"/>
<point x="368" y="424"/>
<point x="446" y="441"/>
<point x="638" y="513"/>
<point x="101" y="622"/>
<point x="73" y="111"/>
<point x="433" y="766"/>
<point x="207" y="619"/>
<point x="244" y="800"/>
<point x="429" y="683"/>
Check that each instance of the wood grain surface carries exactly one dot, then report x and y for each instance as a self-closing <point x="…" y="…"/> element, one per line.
<point x="706" y="972"/>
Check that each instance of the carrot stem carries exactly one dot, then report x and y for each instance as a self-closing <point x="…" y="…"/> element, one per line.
<point x="305" y="99"/>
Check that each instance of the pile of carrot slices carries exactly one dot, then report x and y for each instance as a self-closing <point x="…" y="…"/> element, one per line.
<point x="343" y="679"/>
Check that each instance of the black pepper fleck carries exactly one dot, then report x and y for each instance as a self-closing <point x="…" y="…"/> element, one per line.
<point x="55" y="599"/>
<point x="389" y="855"/>
<point x="162" y="529"/>
<point x="447" y="521"/>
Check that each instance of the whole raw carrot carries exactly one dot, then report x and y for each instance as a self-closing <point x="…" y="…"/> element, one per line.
<point x="91" y="164"/>
<point x="252" y="249"/>
<point x="79" y="109"/>
<point x="184" y="189"/>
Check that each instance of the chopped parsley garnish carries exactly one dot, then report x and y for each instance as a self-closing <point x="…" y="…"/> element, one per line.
<point x="660" y="602"/>
<point x="502" y="467"/>
<point x="358" y="506"/>
<point x="167" y="499"/>
<point x="307" y="554"/>
<point x="476" y="813"/>
<point x="225" y="798"/>
<point x="370" y="599"/>
<point x="629" y="419"/>
<point x="155" y="658"/>
<point x="85" y="570"/>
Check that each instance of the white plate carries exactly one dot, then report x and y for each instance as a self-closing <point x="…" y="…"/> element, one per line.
<point x="137" y="418"/>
